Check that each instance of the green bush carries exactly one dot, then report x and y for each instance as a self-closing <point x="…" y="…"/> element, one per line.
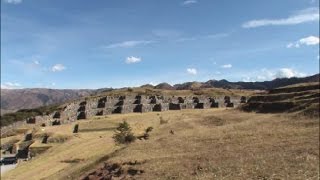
<point x="123" y="134"/>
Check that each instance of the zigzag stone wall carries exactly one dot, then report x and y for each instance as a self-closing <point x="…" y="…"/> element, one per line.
<point x="84" y="109"/>
<point x="129" y="104"/>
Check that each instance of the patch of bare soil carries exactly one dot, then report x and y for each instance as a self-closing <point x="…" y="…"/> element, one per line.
<point x="110" y="171"/>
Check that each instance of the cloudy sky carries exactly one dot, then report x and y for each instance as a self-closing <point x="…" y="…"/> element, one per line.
<point x="116" y="43"/>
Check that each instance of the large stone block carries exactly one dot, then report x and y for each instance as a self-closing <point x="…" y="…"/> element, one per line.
<point x="174" y="106"/>
<point x="81" y="115"/>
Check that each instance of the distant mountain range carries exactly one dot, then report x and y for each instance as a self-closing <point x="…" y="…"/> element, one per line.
<point x="15" y="99"/>
<point x="265" y="85"/>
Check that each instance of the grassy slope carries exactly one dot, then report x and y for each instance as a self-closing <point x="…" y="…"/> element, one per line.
<point x="303" y="99"/>
<point x="300" y="85"/>
<point x="81" y="150"/>
<point x="206" y="143"/>
<point x="228" y="144"/>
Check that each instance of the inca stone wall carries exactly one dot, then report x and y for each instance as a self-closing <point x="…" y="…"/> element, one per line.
<point x="129" y="104"/>
<point x="84" y="109"/>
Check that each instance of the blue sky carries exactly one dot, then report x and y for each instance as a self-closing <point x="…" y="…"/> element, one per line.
<point x="116" y="43"/>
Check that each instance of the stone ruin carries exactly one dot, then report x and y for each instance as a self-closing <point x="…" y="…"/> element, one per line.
<point x="55" y="122"/>
<point x="243" y="99"/>
<point x="31" y="120"/>
<point x="45" y="139"/>
<point x="82" y="110"/>
<point x="21" y="148"/>
<point x="100" y="106"/>
<point x="227" y="101"/>
<point x="56" y="115"/>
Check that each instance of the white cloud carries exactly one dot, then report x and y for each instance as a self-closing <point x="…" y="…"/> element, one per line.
<point x="132" y="59"/>
<point x="226" y="66"/>
<point x="311" y="40"/>
<point x="214" y="36"/>
<point x="303" y="16"/>
<point x="308" y="41"/>
<point x="192" y="71"/>
<point x="10" y="85"/>
<point x="128" y="44"/>
<point x="247" y="79"/>
<point x="290" y="45"/>
<point x="209" y="36"/>
<point x="13" y="1"/>
<point x="58" y="67"/>
<point x="36" y="62"/>
<point x="189" y="2"/>
<point x="152" y="83"/>
<point x="318" y="57"/>
<point x="267" y="74"/>
<point x="288" y="73"/>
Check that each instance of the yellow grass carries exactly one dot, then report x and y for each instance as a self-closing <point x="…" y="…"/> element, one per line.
<point x="300" y="85"/>
<point x="11" y="139"/>
<point x="206" y="144"/>
<point x="209" y="144"/>
<point x="81" y="150"/>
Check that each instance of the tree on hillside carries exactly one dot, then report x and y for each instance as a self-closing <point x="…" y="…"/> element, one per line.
<point x="123" y="134"/>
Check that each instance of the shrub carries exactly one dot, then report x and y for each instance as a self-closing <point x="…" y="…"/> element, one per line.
<point x="149" y="129"/>
<point x="162" y="121"/>
<point x="146" y="134"/>
<point x="123" y="134"/>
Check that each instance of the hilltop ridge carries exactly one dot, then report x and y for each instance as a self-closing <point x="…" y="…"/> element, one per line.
<point x="15" y="99"/>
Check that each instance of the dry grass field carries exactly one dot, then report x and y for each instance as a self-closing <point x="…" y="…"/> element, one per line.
<point x="193" y="144"/>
